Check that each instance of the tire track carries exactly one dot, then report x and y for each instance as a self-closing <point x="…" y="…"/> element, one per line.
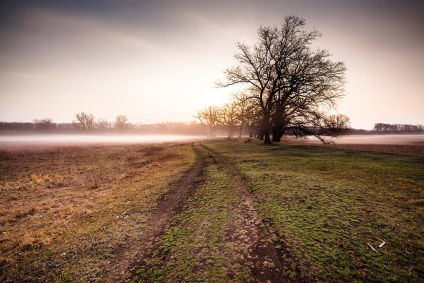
<point x="249" y="231"/>
<point x="168" y="206"/>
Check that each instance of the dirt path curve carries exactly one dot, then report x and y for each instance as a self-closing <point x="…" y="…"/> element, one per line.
<point x="169" y="205"/>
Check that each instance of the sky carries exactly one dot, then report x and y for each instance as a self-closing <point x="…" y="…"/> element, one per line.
<point x="158" y="61"/>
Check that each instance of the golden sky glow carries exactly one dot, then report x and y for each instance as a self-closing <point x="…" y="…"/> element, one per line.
<point x="157" y="61"/>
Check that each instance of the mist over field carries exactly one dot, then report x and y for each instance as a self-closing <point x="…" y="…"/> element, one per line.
<point x="10" y="141"/>
<point x="378" y="139"/>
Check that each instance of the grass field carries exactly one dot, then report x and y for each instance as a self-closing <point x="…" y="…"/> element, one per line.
<point x="211" y="211"/>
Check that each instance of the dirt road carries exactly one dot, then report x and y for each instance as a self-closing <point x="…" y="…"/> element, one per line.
<point x="234" y="246"/>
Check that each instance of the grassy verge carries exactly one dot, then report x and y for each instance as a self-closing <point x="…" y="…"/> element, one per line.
<point x="68" y="213"/>
<point x="329" y="207"/>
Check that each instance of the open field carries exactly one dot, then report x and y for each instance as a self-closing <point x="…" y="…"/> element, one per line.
<point x="210" y="211"/>
<point x="67" y="213"/>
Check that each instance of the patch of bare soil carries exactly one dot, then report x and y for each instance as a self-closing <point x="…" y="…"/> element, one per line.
<point x="170" y="204"/>
<point x="249" y="232"/>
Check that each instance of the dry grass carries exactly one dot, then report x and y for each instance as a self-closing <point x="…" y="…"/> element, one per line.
<point x="57" y="201"/>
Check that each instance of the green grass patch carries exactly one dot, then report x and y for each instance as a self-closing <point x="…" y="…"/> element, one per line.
<point x="330" y="205"/>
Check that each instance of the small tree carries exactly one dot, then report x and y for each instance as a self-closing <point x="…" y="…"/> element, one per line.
<point x="337" y="124"/>
<point x="121" y="122"/>
<point x="85" y="120"/>
<point x="103" y="124"/>
<point x="44" y="124"/>
<point x="229" y="117"/>
<point x="245" y="109"/>
<point x="209" y="116"/>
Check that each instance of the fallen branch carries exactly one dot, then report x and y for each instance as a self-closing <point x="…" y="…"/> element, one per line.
<point x="382" y="244"/>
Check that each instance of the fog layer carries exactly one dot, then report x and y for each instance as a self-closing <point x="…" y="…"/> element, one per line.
<point x="42" y="140"/>
<point x="37" y="140"/>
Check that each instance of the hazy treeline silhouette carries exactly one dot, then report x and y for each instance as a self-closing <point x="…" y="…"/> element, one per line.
<point x="397" y="128"/>
<point x="104" y="127"/>
<point x="183" y="128"/>
<point x="88" y="125"/>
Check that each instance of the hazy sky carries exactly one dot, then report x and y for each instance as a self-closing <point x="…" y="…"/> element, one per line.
<point x="157" y="61"/>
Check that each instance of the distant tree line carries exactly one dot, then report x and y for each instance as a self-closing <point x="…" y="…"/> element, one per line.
<point x="86" y="123"/>
<point x="397" y="128"/>
<point x="234" y="119"/>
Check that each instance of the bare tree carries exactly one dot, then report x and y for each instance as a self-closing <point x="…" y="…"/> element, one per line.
<point x="209" y="116"/>
<point x="103" y="124"/>
<point x="44" y="124"/>
<point x="337" y="124"/>
<point x="292" y="83"/>
<point x="121" y="122"/>
<point x="85" y="120"/>
<point x="245" y="110"/>
<point x="229" y="117"/>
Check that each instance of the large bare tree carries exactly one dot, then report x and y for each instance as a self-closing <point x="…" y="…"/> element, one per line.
<point x="293" y="84"/>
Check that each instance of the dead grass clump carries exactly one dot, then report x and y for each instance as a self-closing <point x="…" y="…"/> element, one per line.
<point x="40" y="179"/>
<point x="28" y="241"/>
<point x="83" y="209"/>
<point x="12" y="215"/>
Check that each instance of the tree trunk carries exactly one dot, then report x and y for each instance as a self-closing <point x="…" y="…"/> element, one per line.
<point x="230" y="132"/>
<point x="277" y="132"/>
<point x="267" y="139"/>
<point x="265" y="129"/>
